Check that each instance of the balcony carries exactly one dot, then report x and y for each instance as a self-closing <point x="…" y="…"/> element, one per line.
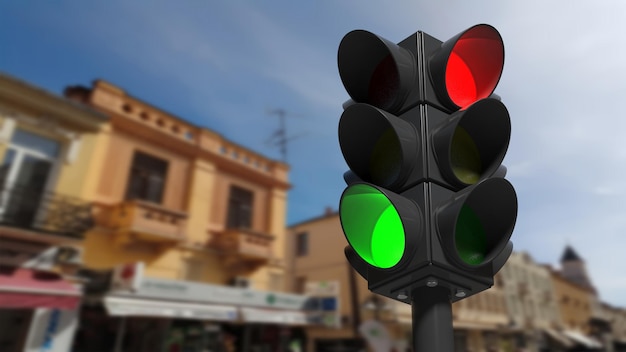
<point x="39" y="212"/>
<point x="136" y="220"/>
<point x="243" y="250"/>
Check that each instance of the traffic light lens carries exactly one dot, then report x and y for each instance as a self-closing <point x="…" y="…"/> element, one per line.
<point x="372" y="226"/>
<point x="376" y="71"/>
<point x="465" y="157"/>
<point x="380" y="148"/>
<point x="470" y="237"/>
<point x="386" y="158"/>
<point x="384" y="84"/>
<point x="474" y="65"/>
<point x="460" y="81"/>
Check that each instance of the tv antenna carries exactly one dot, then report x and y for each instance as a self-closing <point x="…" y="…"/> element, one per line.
<point x="279" y="137"/>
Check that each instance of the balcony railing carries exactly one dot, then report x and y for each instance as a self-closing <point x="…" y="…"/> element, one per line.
<point x="45" y="212"/>
<point x="145" y="221"/>
<point x="243" y="250"/>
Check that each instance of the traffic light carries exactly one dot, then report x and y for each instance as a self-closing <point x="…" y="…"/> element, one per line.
<point x="424" y="137"/>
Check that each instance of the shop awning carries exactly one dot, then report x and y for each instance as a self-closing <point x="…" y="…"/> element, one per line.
<point x="559" y="337"/>
<point x="26" y="288"/>
<point x="466" y="325"/>
<point x="274" y="316"/>
<point x="461" y="325"/>
<point x="129" y="306"/>
<point x="579" y="338"/>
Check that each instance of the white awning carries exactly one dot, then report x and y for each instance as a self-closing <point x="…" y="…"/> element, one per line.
<point x="559" y="337"/>
<point x="582" y="339"/>
<point x="274" y="316"/>
<point x="125" y="306"/>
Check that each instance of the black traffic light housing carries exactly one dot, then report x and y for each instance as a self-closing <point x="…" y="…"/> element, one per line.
<point x="424" y="142"/>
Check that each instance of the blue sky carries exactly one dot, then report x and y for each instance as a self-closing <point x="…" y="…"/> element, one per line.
<point x="225" y="64"/>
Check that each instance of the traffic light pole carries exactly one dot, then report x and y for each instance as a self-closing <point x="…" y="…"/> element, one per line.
<point x="432" y="320"/>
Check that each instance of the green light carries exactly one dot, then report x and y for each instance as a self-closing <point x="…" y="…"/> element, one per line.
<point x="470" y="236"/>
<point x="372" y="226"/>
<point x="465" y="157"/>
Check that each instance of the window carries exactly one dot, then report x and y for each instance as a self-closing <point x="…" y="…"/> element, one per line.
<point x="300" y="284"/>
<point x="147" y="178"/>
<point x="239" y="208"/>
<point x="45" y="147"/>
<point x="302" y="244"/>
<point x="25" y="172"/>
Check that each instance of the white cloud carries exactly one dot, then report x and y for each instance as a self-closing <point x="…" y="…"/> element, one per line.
<point x="605" y="190"/>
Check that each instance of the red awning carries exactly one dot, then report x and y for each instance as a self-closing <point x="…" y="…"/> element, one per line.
<point x="25" y="288"/>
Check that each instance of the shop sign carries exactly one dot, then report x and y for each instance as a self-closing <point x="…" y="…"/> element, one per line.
<point x="118" y="306"/>
<point x="127" y="277"/>
<point x="322" y="288"/>
<point x="325" y="302"/>
<point x="201" y="292"/>
<point x="254" y="315"/>
<point x="376" y="335"/>
<point x="51" y="330"/>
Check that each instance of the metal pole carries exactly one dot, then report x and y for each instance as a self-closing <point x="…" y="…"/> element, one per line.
<point x="246" y="337"/>
<point x="121" y="330"/>
<point x="377" y="307"/>
<point x="432" y="320"/>
<point x="354" y="300"/>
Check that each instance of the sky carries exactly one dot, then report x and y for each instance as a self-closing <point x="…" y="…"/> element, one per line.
<point x="226" y="65"/>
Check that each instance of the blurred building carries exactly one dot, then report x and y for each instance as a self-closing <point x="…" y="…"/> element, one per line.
<point x="573" y="268"/>
<point x="191" y="228"/>
<point x="617" y="318"/>
<point x="46" y="147"/>
<point x="608" y="325"/>
<point x="316" y="256"/>
<point x="575" y="298"/>
<point x="481" y="321"/>
<point x="535" y="319"/>
<point x="531" y="307"/>
<point x="600" y="325"/>
<point x="315" y="259"/>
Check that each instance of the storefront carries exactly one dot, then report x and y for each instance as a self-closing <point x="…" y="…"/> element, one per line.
<point x="38" y="311"/>
<point x="340" y="345"/>
<point x="583" y="342"/>
<point x="148" y="314"/>
<point x="555" y="340"/>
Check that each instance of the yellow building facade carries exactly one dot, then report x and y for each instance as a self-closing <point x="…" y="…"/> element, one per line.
<point x="135" y="222"/>
<point x="192" y="227"/>
<point x="180" y="198"/>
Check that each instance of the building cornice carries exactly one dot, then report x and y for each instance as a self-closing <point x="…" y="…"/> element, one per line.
<point x="20" y="96"/>
<point x="136" y="117"/>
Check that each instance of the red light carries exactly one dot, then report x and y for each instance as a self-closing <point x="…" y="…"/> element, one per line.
<point x="460" y="82"/>
<point x="474" y="65"/>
